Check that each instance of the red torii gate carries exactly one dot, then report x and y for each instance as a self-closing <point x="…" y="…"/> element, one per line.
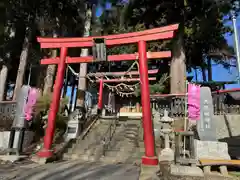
<point x="101" y="85"/>
<point x="119" y="80"/>
<point x="101" y="81"/>
<point x="141" y="37"/>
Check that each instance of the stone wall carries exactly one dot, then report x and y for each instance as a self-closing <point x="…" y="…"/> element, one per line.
<point x="5" y="135"/>
<point x="7" y="113"/>
<point x="227" y="126"/>
<point x="228" y="130"/>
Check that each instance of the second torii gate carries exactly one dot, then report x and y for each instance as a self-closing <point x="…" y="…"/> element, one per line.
<point x="141" y="38"/>
<point x="101" y="82"/>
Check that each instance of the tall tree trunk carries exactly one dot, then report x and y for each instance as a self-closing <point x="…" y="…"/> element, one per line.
<point x="3" y="80"/>
<point x="196" y="74"/>
<point x="65" y="87"/>
<point x="82" y="84"/>
<point x="9" y="34"/>
<point x="204" y="74"/>
<point x="209" y="64"/>
<point x="178" y="66"/>
<point x="121" y="13"/>
<point x="51" y="69"/>
<point x="22" y="64"/>
<point x="41" y="69"/>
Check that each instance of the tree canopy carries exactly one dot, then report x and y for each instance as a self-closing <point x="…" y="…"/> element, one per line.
<point x="201" y="25"/>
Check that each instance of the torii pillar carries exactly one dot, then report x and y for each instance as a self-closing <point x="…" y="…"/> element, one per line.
<point x="149" y="158"/>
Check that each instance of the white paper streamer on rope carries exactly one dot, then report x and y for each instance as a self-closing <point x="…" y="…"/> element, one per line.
<point x="119" y="89"/>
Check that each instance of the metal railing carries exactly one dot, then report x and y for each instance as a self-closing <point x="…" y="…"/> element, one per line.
<point x="175" y="103"/>
<point x="108" y="135"/>
<point x="7" y="114"/>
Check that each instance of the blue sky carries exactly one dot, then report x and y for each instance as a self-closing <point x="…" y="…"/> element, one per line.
<point x="218" y="72"/>
<point x="99" y="9"/>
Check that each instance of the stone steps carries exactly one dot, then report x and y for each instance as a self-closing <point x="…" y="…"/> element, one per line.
<point x="91" y="145"/>
<point x="82" y="142"/>
<point x="114" y="147"/>
<point x="123" y="146"/>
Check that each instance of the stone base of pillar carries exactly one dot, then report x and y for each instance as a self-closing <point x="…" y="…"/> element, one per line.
<point x="148" y="172"/>
<point x="149" y="160"/>
<point x="44" y="153"/>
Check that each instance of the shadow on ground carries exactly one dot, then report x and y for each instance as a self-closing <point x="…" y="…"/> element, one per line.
<point x="79" y="171"/>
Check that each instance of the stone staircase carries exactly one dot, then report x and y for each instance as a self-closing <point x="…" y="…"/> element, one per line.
<point x="84" y="148"/>
<point x="124" y="145"/>
<point x="116" y="145"/>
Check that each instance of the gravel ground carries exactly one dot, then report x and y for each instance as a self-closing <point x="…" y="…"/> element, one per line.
<point x="8" y="170"/>
<point x="75" y="170"/>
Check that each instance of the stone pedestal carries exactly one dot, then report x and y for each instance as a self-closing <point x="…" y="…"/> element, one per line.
<point x="178" y="170"/>
<point x="148" y="172"/>
<point x="211" y="150"/>
<point x="166" y="154"/>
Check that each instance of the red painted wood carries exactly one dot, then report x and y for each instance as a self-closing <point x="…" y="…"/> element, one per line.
<point x="100" y="95"/>
<point x="48" y="138"/>
<point x="136" y="37"/>
<point x="100" y="74"/>
<point x="125" y="57"/>
<point x="149" y="143"/>
<point x="110" y="42"/>
<point x="115" y="36"/>
<point x="125" y="80"/>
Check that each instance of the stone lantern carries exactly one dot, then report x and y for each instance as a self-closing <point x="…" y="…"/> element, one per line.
<point x="167" y="154"/>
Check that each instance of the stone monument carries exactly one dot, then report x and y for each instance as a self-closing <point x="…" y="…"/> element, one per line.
<point x="17" y="135"/>
<point x="19" y="123"/>
<point x="208" y="147"/>
<point x="205" y="126"/>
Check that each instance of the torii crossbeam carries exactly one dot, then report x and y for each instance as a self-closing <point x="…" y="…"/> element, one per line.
<point x="125" y="80"/>
<point x="100" y="74"/>
<point x="140" y="38"/>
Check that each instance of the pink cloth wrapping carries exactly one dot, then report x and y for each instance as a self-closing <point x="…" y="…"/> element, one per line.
<point x="32" y="99"/>
<point x="193" y="102"/>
